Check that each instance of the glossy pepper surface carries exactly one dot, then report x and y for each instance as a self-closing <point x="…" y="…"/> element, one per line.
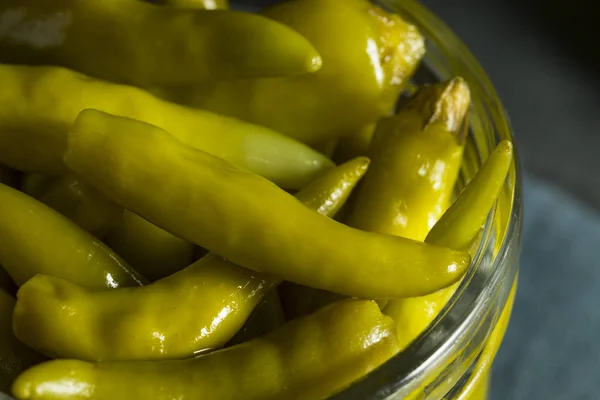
<point x="202" y="4"/>
<point x="367" y="54"/>
<point x="457" y="228"/>
<point x="35" y="118"/>
<point x="199" y="308"/>
<point x="309" y="358"/>
<point x="144" y="44"/>
<point x="14" y="355"/>
<point x="81" y="203"/>
<point x="153" y="252"/>
<point x="417" y="156"/>
<point x="36" y="239"/>
<point x="276" y="234"/>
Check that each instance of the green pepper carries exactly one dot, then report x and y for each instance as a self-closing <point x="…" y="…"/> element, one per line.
<point x="151" y="251"/>
<point x="354" y="145"/>
<point x="457" y="228"/>
<point x="36" y="239"/>
<point x="416" y="156"/>
<point x="416" y="159"/>
<point x="199" y="308"/>
<point x="202" y="4"/>
<point x="35" y="118"/>
<point x="81" y="203"/>
<point x="8" y="176"/>
<point x="299" y="300"/>
<point x="15" y="357"/>
<point x="462" y="222"/>
<point x="276" y="234"/>
<point x="368" y="56"/>
<point x="309" y="358"/>
<point x="267" y="317"/>
<point x="144" y="44"/>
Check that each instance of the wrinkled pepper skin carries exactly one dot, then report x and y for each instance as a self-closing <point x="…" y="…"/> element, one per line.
<point x="277" y="234"/>
<point x="201" y="4"/>
<point x="196" y="309"/>
<point x="416" y="156"/>
<point x="36" y="239"/>
<point x="138" y="43"/>
<point x="81" y="203"/>
<point x="309" y="358"/>
<point x="368" y="55"/>
<point x="15" y="357"/>
<point x="457" y="228"/>
<point x="199" y="308"/>
<point x="153" y="252"/>
<point x="9" y="177"/>
<point x="35" y="118"/>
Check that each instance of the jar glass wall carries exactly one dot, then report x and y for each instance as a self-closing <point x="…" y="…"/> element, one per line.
<point x="445" y="361"/>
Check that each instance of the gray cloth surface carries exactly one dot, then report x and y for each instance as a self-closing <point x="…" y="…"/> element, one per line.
<point x="551" y="347"/>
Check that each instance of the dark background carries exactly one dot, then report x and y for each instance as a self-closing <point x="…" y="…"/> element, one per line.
<point x="543" y="58"/>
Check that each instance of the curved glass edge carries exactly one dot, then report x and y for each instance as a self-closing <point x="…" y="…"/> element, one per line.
<point x="433" y="364"/>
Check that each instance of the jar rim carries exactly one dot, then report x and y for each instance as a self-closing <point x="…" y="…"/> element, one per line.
<point x="408" y="370"/>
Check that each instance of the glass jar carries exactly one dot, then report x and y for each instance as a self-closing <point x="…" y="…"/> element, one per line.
<point x="450" y="360"/>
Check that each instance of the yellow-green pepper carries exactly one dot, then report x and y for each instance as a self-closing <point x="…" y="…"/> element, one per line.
<point x="202" y="4"/>
<point x="79" y="201"/>
<point x="199" y="308"/>
<point x="267" y="317"/>
<point x="9" y="176"/>
<point x="368" y="55"/>
<point x="276" y="234"/>
<point x="36" y="239"/>
<point x="153" y="252"/>
<point x="457" y="228"/>
<point x="35" y="118"/>
<point x="144" y="44"/>
<point x="15" y="357"/>
<point x="354" y="145"/>
<point x="309" y="358"/>
<point x="416" y="156"/>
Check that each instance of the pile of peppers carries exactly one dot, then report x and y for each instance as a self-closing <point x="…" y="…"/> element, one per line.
<point x="201" y="203"/>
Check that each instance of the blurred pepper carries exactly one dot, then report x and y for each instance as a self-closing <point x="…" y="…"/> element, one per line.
<point x="153" y="252"/>
<point x="202" y="4"/>
<point x="9" y="177"/>
<point x="309" y="358"/>
<point x="36" y="239"/>
<point x="35" y="184"/>
<point x="14" y="355"/>
<point x="35" y="118"/>
<point x="199" y="308"/>
<point x="6" y="282"/>
<point x="139" y="43"/>
<point x="368" y="55"/>
<point x="274" y="234"/>
<point x="354" y="145"/>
